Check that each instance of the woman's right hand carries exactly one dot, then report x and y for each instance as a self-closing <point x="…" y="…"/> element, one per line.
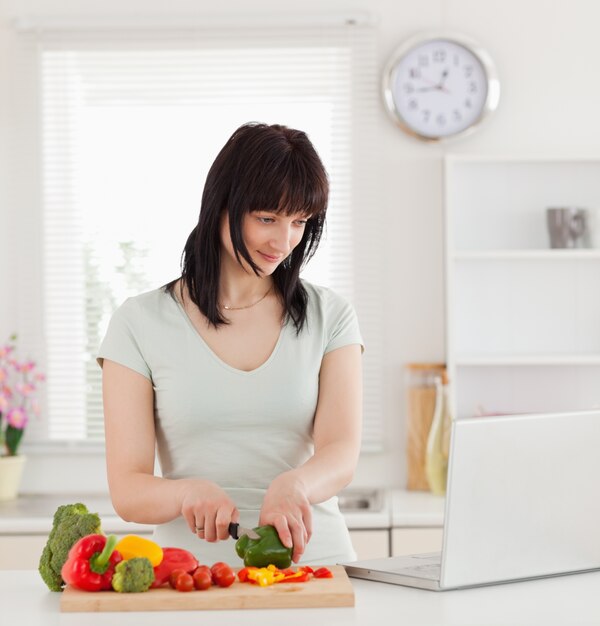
<point x="205" y="506"/>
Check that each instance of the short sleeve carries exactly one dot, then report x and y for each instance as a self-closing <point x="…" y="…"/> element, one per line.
<point x="342" y="327"/>
<point x="123" y="340"/>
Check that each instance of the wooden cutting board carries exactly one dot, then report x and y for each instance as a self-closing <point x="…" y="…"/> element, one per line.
<point x="316" y="592"/>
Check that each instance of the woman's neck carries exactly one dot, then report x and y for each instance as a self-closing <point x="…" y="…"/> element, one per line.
<point x="237" y="287"/>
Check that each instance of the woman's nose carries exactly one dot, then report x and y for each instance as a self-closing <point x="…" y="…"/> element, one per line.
<point x="282" y="240"/>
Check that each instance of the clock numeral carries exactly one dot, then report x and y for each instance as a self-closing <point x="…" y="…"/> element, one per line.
<point x="423" y="60"/>
<point x="468" y="103"/>
<point x="413" y="104"/>
<point x="415" y="72"/>
<point x="472" y="87"/>
<point x="439" y="56"/>
<point x="468" y="71"/>
<point x="456" y="60"/>
<point x="408" y="88"/>
<point x="441" y="120"/>
<point x="457" y="115"/>
<point x="426" y="113"/>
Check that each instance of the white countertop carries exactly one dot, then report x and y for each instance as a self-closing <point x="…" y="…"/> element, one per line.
<point x="32" y="514"/>
<point x="564" y="600"/>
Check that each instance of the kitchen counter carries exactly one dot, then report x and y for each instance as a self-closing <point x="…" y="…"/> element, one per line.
<point x="564" y="600"/>
<point x="32" y="514"/>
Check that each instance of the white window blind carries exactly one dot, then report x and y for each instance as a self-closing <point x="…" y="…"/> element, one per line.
<point x="129" y="121"/>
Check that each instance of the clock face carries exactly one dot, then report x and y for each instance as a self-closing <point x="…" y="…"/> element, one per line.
<point x="438" y="88"/>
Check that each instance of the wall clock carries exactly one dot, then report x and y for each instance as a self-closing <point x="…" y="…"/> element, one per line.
<point x="439" y="86"/>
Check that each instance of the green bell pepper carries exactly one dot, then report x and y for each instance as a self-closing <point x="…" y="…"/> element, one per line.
<point x="264" y="551"/>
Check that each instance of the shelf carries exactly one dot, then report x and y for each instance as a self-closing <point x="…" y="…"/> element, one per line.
<point x="520" y="255"/>
<point x="522" y="332"/>
<point x="535" y="360"/>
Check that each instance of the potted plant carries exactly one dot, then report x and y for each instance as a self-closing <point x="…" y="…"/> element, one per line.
<point x="19" y="382"/>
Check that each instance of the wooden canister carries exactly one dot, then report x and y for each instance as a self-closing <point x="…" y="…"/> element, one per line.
<point x="421" y="394"/>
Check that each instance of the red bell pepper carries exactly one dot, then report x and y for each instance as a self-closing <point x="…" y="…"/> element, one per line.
<point x="300" y="576"/>
<point x="323" y="572"/>
<point x="91" y="563"/>
<point x="173" y="558"/>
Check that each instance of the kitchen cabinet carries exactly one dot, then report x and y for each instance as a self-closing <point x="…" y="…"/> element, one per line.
<point x="371" y="544"/>
<point x="416" y="540"/>
<point x="522" y="326"/>
<point x="23" y="551"/>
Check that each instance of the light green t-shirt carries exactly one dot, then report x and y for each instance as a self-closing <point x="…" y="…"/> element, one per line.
<point x="239" y="429"/>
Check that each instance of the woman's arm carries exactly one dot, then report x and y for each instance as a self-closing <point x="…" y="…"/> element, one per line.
<point x="337" y="435"/>
<point x="136" y="493"/>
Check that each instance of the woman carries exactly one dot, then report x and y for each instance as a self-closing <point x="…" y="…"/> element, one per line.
<point x="246" y="379"/>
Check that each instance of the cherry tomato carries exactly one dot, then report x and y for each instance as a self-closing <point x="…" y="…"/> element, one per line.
<point x="222" y="574"/>
<point x="174" y="575"/>
<point x="202" y="578"/>
<point x="184" y="582"/>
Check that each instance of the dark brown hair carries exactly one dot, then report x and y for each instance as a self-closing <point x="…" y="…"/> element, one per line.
<point x="261" y="167"/>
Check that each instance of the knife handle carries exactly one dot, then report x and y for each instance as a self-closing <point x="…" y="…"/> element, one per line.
<point x="233" y="530"/>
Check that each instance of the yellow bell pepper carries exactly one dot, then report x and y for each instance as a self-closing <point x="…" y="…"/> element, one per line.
<point x="265" y="576"/>
<point x="134" y="546"/>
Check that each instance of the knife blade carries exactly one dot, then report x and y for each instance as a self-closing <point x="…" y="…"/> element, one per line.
<point x="236" y="531"/>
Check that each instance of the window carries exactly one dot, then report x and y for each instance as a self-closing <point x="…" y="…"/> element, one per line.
<point x="129" y="123"/>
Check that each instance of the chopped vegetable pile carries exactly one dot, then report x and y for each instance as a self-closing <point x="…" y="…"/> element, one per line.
<point x="265" y="576"/>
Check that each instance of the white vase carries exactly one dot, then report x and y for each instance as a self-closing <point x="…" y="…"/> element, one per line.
<point x="11" y="470"/>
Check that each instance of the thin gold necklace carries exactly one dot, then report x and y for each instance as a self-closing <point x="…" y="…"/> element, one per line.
<point x="248" y="306"/>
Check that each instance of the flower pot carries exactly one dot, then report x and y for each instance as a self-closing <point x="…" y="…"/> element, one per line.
<point x="11" y="470"/>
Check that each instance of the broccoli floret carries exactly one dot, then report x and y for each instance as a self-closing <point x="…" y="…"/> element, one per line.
<point x="133" y="575"/>
<point x="71" y="522"/>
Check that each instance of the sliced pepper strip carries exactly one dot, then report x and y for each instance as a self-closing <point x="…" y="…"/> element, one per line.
<point x="323" y="572"/>
<point x="296" y="577"/>
<point x="264" y="576"/>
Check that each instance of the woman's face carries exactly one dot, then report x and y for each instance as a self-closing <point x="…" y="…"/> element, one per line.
<point x="269" y="238"/>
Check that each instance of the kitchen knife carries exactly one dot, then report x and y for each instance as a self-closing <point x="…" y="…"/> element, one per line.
<point x="236" y="531"/>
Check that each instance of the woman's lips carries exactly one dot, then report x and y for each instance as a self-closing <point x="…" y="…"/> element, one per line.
<point x="269" y="258"/>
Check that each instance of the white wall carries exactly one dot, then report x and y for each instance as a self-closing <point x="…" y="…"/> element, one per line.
<point x="546" y="53"/>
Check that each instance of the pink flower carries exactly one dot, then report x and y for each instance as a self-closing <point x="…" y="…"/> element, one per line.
<point x="25" y="389"/>
<point x="17" y="418"/>
<point x="39" y="376"/>
<point x="3" y="403"/>
<point x="5" y="350"/>
<point x="28" y="366"/>
<point x="3" y="374"/>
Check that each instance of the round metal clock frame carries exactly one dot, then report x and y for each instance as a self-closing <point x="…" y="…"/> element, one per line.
<point x="493" y="83"/>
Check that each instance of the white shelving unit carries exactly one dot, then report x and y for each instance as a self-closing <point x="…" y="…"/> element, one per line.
<point x="522" y="320"/>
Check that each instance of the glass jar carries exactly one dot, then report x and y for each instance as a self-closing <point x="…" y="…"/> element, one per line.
<point x="421" y="397"/>
<point x="436" y="454"/>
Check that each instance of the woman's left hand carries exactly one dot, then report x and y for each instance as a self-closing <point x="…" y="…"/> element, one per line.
<point x="287" y="508"/>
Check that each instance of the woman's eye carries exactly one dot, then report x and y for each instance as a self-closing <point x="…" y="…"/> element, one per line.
<point x="301" y="222"/>
<point x="266" y="220"/>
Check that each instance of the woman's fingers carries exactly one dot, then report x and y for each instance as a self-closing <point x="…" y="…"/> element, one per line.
<point x="225" y="515"/>
<point x="208" y="510"/>
<point x="292" y="534"/>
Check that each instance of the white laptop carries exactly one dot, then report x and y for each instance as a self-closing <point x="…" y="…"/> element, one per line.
<point x="522" y="502"/>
